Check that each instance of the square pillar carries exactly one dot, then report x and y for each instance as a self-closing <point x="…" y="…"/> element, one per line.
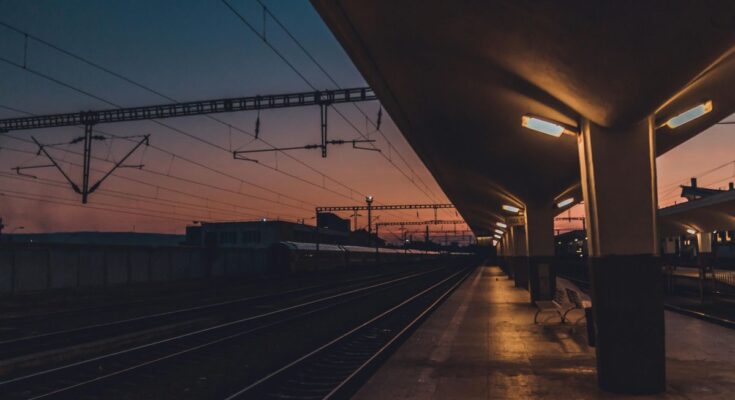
<point x="520" y="260"/>
<point x="540" y="251"/>
<point x="618" y="171"/>
<point x="503" y="260"/>
<point x="704" y="249"/>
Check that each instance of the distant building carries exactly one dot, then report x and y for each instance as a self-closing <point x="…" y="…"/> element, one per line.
<point x="259" y="234"/>
<point x="332" y="221"/>
<point x="694" y="192"/>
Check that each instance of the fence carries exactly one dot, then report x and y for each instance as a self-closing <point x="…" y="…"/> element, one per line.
<point x="37" y="267"/>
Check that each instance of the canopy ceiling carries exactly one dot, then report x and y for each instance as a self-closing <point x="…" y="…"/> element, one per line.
<point x="457" y="77"/>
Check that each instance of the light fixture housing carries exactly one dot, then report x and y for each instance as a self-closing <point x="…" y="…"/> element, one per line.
<point x="499" y="232"/>
<point x="541" y="125"/>
<point x="500" y="224"/>
<point x="690" y="115"/>
<point x="691" y="231"/>
<point x="565" y="202"/>
<point x="510" y="208"/>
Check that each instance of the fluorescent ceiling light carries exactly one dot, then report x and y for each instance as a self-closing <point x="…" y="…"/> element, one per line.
<point x="689" y="115"/>
<point x="512" y="209"/>
<point x="565" y="202"/>
<point x="500" y="224"/>
<point x="691" y="231"/>
<point x="496" y="236"/>
<point x="499" y="232"/>
<point x="542" y="126"/>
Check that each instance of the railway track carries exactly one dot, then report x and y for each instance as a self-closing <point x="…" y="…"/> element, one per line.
<point x="335" y="369"/>
<point x="203" y="313"/>
<point x="114" y="373"/>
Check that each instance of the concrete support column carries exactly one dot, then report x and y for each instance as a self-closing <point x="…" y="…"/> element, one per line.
<point x="704" y="259"/>
<point x="540" y="251"/>
<point x="508" y="242"/>
<point x="520" y="259"/>
<point x="618" y="172"/>
<point x="704" y="248"/>
<point x="669" y="245"/>
<point x="669" y="248"/>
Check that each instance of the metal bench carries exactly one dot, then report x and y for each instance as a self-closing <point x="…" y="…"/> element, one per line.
<point x="576" y="303"/>
<point x="557" y="305"/>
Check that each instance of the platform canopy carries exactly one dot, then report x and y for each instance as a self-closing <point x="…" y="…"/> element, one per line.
<point x="457" y="77"/>
<point x="711" y="213"/>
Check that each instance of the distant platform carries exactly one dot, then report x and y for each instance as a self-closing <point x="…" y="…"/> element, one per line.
<point x="482" y="344"/>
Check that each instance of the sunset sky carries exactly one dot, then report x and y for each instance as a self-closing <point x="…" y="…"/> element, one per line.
<point x="201" y="50"/>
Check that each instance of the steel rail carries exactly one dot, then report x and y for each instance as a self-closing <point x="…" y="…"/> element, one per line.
<point x="362" y="291"/>
<point x="365" y="324"/>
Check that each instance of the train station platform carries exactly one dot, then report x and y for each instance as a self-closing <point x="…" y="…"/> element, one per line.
<point x="482" y="344"/>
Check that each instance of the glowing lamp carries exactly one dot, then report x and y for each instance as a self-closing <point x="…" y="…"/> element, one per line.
<point x="500" y="224"/>
<point x="510" y="208"/>
<point x="499" y="232"/>
<point x="689" y="115"/>
<point x="565" y="202"/>
<point x="496" y="236"/>
<point x="495" y="242"/>
<point x="543" y="126"/>
<point x="691" y="231"/>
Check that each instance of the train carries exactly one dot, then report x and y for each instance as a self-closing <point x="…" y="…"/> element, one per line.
<point x="293" y="257"/>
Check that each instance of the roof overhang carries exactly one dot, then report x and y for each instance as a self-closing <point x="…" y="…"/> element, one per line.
<point x="457" y="77"/>
<point x="711" y="213"/>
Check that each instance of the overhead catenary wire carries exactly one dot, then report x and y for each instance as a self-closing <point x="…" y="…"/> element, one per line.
<point x="162" y="95"/>
<point x="72" y="202"/>
<point x="149" y="89"/>
<point x="311" y="85"/>
<point x="313" y="59"/>
<point x="86" y="93"/>
<point x="157" y="186"/>
<point x="174" y="129"/>
<point x="281" y="195"/>
<point x="200" y="165"/>
<point x="134" y="197"/>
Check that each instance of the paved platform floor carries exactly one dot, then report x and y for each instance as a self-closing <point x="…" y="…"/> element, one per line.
<point x="482" y="344"/>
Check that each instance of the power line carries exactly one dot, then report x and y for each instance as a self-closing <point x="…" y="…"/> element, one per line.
<point x="101" y="207"/>
<point x="155" y="186"/>
<point x="137" y="84"/>
<point x="160" y="94"/>
<point x="198" y="164"/>
<point x="209" y="143"/>
<point x="133" y="197"/>
<point x="295" y="70"/>
<point x="334" y="81"/>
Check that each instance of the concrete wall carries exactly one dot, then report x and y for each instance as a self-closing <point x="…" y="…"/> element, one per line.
<point x="38" y="267"/>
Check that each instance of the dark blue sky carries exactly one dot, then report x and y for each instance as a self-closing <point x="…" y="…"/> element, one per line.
<point x="191" y="50"/>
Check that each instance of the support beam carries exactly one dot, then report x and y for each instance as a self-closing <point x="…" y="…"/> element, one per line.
<point x="87" y="159"/>
<point x="189" y="108"/>
<point x="618" y="172"/>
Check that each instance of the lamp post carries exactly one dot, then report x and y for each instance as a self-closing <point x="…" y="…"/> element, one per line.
<point x="369" y="201"/>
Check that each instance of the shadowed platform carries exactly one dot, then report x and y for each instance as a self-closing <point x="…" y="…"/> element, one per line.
<point x="482" y="344"/>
